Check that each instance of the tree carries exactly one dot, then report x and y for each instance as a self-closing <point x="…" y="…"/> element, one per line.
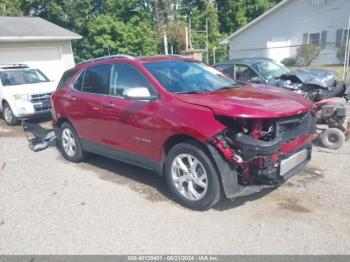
<point x="10" y="7"/>
<point x="236" y="13"/>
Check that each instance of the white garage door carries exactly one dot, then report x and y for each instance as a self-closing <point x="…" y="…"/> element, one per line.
<point x="47" y="59"/>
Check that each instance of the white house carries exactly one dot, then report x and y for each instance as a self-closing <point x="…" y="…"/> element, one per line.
<point x="280" y="31"/>
<point x="37" y="43"/>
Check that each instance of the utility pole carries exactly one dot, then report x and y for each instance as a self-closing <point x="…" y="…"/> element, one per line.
<point x="186" y="37"/>
<point x="165" y="38"/>
<point x="214" y="55"/>
<point x="190" y="33"/>
<point x="207" y="39"/>
<point x="347" y="54"/>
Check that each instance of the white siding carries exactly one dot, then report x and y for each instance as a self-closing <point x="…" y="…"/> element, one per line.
<point x="67" y="55"/>
<point x="290" y="22"/>
<point x="52" y="58"/>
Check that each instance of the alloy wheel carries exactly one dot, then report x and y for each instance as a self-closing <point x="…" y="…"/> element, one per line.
<point x="68" y="142"/>
<point x="189" y="177"/>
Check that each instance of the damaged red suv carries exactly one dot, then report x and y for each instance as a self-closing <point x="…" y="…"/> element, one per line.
<point x="209" y="135"/>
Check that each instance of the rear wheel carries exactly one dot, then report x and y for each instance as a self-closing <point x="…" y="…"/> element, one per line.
<point x="332" y="138"/>
<point x="70" y="144"/>
<point x="9" y="117"/>
<point x="191" y="176"/>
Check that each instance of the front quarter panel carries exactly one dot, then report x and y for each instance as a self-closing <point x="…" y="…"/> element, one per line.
<point x="178" y="118"/>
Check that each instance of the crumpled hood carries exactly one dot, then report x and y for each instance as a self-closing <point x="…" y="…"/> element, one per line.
<point x="37" y="88"/>
<point x="322" y="78"/>
<point x="251" y="102"/>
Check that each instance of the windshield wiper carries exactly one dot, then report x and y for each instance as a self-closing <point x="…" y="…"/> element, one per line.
<point x="225" y="87"/>
<point x="189" y="92"/>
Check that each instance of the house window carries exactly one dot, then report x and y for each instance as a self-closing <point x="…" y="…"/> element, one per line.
<point x="341" y="37"/>
<point x="314" y="39"/>
<point x="317" y="2"/>
<point x="318" y="39"/>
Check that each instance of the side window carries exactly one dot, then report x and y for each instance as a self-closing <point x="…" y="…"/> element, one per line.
<point x="244" y="73"/>
<point x="79" y="81"/>
<point x="125" y="76"/>
<point x="65" y="78"/>
<point x="96" y="79"/>
<point x="226" y="69"/>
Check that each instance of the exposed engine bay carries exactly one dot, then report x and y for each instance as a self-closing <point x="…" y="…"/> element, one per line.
<point x="265" y="152"/>
<point x="314" y="84"/>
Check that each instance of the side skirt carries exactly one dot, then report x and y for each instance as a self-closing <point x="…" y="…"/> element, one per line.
<point x="123" y="156"/>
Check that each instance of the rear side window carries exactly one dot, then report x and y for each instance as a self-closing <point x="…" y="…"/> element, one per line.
<point x="96" y="79"/>
<point x="65" y="78"/>
<point x="79" y="82"/>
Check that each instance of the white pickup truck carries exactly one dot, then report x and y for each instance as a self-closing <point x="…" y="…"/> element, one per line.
<point x="24" y="93"/>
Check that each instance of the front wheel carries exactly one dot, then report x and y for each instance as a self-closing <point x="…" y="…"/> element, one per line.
<point x="9" y="117"/>
<point x="192" y="177"/>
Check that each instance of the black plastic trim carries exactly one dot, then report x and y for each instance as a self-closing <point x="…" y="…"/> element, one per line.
<point x="226" y="171"/>
<point x="250" y="147"/>
<point x="120" y="155"/>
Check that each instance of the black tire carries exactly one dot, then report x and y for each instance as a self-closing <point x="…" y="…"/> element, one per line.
<point x="8" y="115"/>
<point x="332" y="138"/>
<point x="79" y="155"/>
<point x="213" y="192"/>
<point x="338" y="91"/>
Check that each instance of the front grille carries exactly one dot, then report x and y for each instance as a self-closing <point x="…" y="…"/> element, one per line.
<point x="41" y="102"/>
<point x="291" y="128"/>
<point x="40" y="97"/>
<point x="268" y="162"/>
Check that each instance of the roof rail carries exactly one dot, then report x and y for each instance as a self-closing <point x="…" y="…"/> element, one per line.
<point x="9" y="66"/>
<point x="106" y="57"/>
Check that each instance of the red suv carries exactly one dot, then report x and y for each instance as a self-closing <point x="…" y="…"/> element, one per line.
<point x="206" y="133"/>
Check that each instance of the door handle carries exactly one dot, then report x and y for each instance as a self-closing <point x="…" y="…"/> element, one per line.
<point x="72" y="99"/>
<point x="108" y="105"/>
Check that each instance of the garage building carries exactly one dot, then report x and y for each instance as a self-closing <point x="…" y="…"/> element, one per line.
<point x="37" y="43"/>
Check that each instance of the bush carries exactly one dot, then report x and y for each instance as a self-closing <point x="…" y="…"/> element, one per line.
<point x="289" y="61"/>
<point x="341" y="53"/>
<point x="306" y="54"/>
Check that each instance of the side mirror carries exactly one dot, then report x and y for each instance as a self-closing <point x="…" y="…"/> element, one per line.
<point x="139" y="93"/>
<point x="257" y="80"/>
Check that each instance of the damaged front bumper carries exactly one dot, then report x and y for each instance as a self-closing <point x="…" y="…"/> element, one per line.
<point x="266" y="175"/>
<point x="248" y="165"/>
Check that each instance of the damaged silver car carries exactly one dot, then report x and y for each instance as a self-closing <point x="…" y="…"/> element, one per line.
<point x="315" y="84"/>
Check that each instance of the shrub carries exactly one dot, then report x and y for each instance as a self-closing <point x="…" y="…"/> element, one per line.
<point x="341" y="53"/>
<point x="306" y="54"/>
<point x="289" y="61"/>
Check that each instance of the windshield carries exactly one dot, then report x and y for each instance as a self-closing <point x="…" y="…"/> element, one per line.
<point x="22" y="76"/>
<point x="189" y="76"/>
<point x="270" y="69"/>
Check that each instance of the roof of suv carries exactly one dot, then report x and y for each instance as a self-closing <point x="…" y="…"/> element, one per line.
<point x="4" y="67"/>
<point x="141" y="59"/>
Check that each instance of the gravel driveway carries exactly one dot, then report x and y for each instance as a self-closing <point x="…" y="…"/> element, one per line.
<point x="51" y="206"/>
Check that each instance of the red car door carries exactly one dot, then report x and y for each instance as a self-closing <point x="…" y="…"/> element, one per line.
<point x="84" y="101"/>
<point x="128" y="124"/>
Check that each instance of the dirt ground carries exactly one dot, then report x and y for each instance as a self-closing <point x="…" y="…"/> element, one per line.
<point x="101" y="206"/>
